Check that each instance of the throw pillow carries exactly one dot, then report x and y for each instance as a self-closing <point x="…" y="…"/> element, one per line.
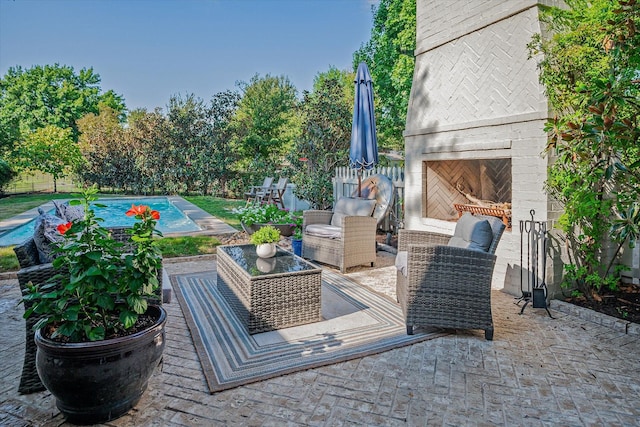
<point x="45" y="234"/>
<point x="351" y="207"/>
<point x="67" y="212"/>
<point x="472" y="233"/>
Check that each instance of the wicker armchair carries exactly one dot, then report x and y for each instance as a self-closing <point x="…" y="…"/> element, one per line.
<point x="354" y="242"/>
<point x="446" y="286"/>
<point x="31" y="270"/>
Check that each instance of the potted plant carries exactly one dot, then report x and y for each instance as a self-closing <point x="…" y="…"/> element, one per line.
<point x="265" y="240"/>
<point x="254" y="216"/>
<point x="296" y="237"/>
<point x="99" y="338"/>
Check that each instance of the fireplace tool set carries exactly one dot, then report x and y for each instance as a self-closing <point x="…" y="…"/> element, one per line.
<point x="533" y="287"/>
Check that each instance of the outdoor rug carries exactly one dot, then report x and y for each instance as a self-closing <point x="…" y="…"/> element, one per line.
<point x="358" y="322"/>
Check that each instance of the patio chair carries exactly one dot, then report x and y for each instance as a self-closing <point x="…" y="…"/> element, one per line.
<point x="275" y="194"/>
<point x="34" y="271"/>
<point x="257" y="191"/>
<point x="445" y="281"/>
<point x="344" y="237"/>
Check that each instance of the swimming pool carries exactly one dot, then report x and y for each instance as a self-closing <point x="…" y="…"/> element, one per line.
<point x="172" y="219"/>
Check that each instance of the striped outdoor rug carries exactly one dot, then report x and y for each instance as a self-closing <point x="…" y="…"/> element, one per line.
<point x="358" y="322"/>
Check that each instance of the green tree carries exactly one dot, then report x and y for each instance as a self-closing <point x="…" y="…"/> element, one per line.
<point x="389" y="55"/>
<point x="265" y="124"/>
<point x="190" y="135"/>
<point x="50" y="150"/>
<point x="221" y="154"/>
<point x="146" y="137"/>
<point x="326" y="132"/>
<point x="590" y="70"/>
<point x="108" y="161"/>
<point x="48" y="95"/>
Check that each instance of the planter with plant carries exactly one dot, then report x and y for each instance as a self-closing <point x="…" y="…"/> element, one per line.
<point x="296" y="237"/>
<point x="265" y="240"/>
<point x="99" y="338"/>
<point x="255" y="216"/>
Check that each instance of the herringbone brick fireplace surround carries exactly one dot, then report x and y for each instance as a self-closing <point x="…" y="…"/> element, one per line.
<point x="475" y="122"/>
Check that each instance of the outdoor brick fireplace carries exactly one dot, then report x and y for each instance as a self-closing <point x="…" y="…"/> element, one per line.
<point x="475" y="122"/>
<point x="452" y="187"/>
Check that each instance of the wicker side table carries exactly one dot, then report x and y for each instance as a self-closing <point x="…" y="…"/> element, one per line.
<point x="269" y="294"/>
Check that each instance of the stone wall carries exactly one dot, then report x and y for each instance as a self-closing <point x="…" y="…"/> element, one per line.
<point x="476" y="95"/>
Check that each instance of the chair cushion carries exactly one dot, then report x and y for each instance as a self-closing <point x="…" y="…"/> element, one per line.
<point x="472" y="233"/>
<point x="402" y="258"/>
<point x="347" y="206"/>
<point x="324" y="230"/>
<point x="45" y="234"/>
<point x="67" y="212"/>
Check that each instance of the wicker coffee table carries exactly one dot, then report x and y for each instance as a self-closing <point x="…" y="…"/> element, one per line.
<point x="269" y="293"/>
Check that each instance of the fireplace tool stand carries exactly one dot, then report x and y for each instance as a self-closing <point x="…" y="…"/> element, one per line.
<point x="533" y="287"/>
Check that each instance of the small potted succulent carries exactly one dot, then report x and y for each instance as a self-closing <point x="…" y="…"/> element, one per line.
<point x="265" y="240"/>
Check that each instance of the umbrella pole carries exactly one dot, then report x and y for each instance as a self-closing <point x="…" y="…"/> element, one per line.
<point x="359" y="182"/>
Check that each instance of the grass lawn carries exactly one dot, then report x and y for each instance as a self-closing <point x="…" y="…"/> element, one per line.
<point x="170" y="246"/>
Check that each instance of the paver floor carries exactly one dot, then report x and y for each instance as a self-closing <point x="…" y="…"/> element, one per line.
<point x="538" y="371"/>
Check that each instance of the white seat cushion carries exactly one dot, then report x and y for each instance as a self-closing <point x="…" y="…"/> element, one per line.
<point x="401" y="262"/>
<point x="324" y="230"/>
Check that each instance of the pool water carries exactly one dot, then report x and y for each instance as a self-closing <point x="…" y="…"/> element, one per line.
<point x="172" y="219"/>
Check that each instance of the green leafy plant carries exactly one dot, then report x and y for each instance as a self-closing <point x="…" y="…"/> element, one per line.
<point x="103" y="285"/>
<point x="268" y="213"/>
<point x="297" y="231"/>
<point x="590" y="72"/>
<point x="266" y="234"/>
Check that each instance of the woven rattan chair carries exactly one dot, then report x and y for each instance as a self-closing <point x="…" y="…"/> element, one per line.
<point x="354" y="242"/>
<point x="446" y="286"/>
<point x="31" y="270"/>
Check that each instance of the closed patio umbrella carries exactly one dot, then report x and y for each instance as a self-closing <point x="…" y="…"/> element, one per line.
<point x="363" y="152"/>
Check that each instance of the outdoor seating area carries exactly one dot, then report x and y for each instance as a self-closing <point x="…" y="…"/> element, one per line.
<point x="268" y="192"/>
<point x="450" y="369"/>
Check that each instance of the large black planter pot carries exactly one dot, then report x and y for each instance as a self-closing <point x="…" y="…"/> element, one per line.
<point x="100" y="381"/>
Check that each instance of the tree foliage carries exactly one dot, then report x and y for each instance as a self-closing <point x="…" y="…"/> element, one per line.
<point x="49" y="95"/>
<point x="326" y="132"/>
<point x="389" y="55"/>
<point x="265" y="124"/>
<point x="49" y="149"/>
<point x="590" y="71"/>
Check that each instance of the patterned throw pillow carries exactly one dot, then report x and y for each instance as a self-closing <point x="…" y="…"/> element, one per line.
<point x="67" y="212"/>
<point x="45" y="234"/>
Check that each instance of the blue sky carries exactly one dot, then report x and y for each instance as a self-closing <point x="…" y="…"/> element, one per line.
<point x="148" y="50"/>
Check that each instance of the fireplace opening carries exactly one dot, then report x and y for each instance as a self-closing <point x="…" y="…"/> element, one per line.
<point x="451" y="187"/>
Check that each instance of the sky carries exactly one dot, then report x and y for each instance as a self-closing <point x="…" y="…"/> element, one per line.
<point x="150" y="50"/>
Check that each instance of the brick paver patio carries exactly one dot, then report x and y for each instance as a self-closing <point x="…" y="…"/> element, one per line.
<point x="538" y="371"/>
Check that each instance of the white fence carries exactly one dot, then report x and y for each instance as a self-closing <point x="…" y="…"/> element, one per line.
<point x="345" y="184"/>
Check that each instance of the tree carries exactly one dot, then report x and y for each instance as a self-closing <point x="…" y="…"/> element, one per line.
<point x="50" y="150"/>
<point x="590" y="72"/>
<point x="326" y="133"/>
<point x="190" y="135"/>
<point x="108" y="161"/>
<point x="389" y="54"/>
<point x="265" y="124"/>
<point x="48" y="95"/>
<point x="221" y="156"/>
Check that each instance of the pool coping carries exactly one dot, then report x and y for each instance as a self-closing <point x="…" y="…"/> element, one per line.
<point x="209" y="224"/>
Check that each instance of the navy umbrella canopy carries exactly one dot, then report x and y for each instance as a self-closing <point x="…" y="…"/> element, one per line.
<point x="363" y="152"/>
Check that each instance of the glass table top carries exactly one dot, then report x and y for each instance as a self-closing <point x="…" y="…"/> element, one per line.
<point x="283" y="261"/>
